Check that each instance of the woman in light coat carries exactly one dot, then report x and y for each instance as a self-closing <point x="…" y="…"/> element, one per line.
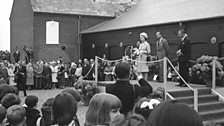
<point x="29" y="75"/>
<point x="144" y="51"/>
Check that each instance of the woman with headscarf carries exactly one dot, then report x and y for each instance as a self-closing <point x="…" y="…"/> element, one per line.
<point x="144" y="51"/>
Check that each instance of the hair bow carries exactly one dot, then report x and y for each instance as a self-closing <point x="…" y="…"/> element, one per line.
<point x="151" y="104"/>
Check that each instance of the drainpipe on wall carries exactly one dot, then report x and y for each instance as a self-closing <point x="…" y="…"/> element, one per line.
<point x="79" y="40"/>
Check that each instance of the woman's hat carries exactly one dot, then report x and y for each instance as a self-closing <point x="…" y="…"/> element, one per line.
<point x="145" y="35"/>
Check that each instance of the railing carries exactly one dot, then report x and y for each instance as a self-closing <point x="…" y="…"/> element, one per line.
<point x="165" y="82"/>
<point x="214" y="64"/>
<point x="165" y="62"/>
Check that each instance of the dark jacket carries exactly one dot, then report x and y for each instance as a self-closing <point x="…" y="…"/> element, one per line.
<point x="127" y="94"/>
<point x="21" y="77"/>
<point x="46" y="119"/>
<point x="31" y="116"/>
<point x="185" y="47"/>
<point x="85" y="70"/>
<point x="16" y="56"/>
<point x="46" y="72"/>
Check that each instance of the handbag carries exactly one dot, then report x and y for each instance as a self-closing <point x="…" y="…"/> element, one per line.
<point x="148" y="58"/>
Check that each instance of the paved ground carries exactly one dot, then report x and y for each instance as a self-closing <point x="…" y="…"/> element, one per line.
<point x="45" y="94"/>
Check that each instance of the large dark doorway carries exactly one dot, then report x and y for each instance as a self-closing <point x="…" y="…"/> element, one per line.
<point x="116" y="52"/>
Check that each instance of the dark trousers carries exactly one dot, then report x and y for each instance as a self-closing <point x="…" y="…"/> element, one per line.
<point x="183" y="70"/>
<point x="46" y="83"/>
<point x="38" y="82"/>
<point x="160" y="71"/>
<point x="22" y="86"/>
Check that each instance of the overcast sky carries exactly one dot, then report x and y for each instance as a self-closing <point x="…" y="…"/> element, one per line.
<point x="5" y="9"/>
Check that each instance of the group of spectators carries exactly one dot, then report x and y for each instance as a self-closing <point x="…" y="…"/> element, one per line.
<point x="4" y="55"/>
<point x="123" y="104"/>
<point x="45" y="75"/>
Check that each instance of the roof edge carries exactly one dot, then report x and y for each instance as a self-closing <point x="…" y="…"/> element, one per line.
<point x="75" y="14"/>
<point x="108" y="30"/>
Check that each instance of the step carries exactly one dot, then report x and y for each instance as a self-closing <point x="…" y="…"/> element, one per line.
<point x="209" y="106"/>
<point x="183" y="93"/>
<point x="219" y="121"/>
<point x="201" y="99"/>
<point x="212" y="115"/>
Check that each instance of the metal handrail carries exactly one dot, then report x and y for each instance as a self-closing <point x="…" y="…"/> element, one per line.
<point x="179" y="75"/>
<point x="171" y="97"/>
<point x="194" y="90"/>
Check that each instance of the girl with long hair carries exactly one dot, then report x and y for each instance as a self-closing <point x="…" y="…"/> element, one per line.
<point x="103" y="110"/>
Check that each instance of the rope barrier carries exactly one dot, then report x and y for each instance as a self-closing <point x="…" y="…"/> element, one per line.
<point x="179" y="74"/>
<point x="89" y="71"/>
<point x="192" y="61"/>
<point x="174" y="60"/>
<point x="110" y="60"/>
<point x="146" y="61"/>
<point x="221" y="58"/>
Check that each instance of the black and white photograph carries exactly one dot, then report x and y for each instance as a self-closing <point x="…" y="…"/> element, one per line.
<point x="112" y="63"/>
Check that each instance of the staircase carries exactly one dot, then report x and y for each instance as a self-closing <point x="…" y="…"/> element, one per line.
<point x="209" y="107"/>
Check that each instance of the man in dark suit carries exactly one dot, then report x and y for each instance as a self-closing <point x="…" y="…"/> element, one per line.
<point x="16" y="55"/>
<point x="21" y="74"/>
<point x="125" y="91"/>
<point x="162" y="50"/>
<point x="85" y="69"/>
<point x="184" y="55"/>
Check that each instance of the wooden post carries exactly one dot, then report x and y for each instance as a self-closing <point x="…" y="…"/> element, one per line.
<point x="213" y="73"/>
<point x="196" y="100"/>
<point x="165" y="75"/>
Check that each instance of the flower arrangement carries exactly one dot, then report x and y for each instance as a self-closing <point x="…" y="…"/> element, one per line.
<point x="87" y="90"/>
<point x="203" y="68"/>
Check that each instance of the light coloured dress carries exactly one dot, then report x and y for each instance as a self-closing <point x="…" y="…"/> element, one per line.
<point x="11" y="77"/>
<point x="144" y="51"/>
<point x="29" y="75"/>
<point x="54" y="70"/>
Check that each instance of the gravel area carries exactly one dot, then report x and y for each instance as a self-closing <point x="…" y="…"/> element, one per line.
<point x="43" y="95"/>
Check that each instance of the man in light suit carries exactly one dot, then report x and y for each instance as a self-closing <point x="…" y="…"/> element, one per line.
<point x="184" y="54"/>
<point x="162" y="50"/>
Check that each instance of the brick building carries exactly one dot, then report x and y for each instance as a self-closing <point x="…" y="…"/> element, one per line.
<point x="203" y="20"/>
<point x="51" y="27"/>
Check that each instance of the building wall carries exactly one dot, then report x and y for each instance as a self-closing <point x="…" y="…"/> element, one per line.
<point x="21" y="26"/>
<point x="69" y="28"/>
<point x="200" y="33"/>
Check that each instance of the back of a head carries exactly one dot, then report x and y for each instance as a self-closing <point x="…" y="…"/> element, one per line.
<point x="122" y="70"/>
<point x="64" y="108"/>
<point x="10" y="99"/>
<point x="31" y="101"/>
<point x="74" y="93"/>
<point x="2" y="113"/>
<point x="174" y="113"/>
<point x="99" y="109"/>
<point x="46" y="110"/>
<point x="5" y="89"/>
<point x="135" y="120"/>
<point x="144" y="106"/>
<point x="16" y="114"/>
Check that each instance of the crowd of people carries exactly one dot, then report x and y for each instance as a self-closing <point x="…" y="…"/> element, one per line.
<point x="123" y="104"/>
<point x="45" y="75"/>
